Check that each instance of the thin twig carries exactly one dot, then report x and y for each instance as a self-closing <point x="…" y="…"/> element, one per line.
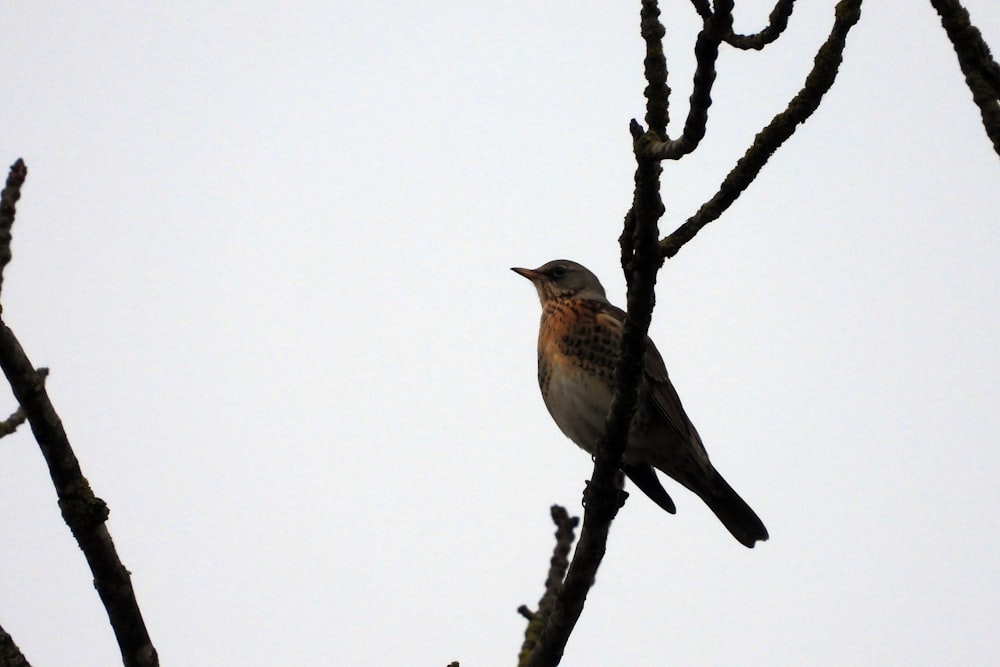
<point x="768" y="140"/>
<point x="565" y="534"/>
<point x="8" y="206"/>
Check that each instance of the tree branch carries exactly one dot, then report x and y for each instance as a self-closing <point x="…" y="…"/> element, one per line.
<point x="706" y="50"/>
<point x="702" y="7"/>
<point x="8" y="206"/>
<point x="10" y="654"/>
<point x="18" y="417"/>
<point x="565" y="534"/>
<point x="642" y="255"/>
<point x="657" y="91"/>
<point x="777" y="21"/>
<point x="604" y="495"/>
<point x="781" y="127"/>
<point x="84" y="513"/>
<point x="982" y="74"/>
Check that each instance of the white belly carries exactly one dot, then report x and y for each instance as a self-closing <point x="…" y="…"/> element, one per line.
<point x="579" y="404"/>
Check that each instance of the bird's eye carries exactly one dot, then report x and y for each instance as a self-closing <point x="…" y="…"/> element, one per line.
<point x="558" y="271"/>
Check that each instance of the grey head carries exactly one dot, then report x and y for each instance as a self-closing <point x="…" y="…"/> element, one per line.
<point x="562" y="279"/>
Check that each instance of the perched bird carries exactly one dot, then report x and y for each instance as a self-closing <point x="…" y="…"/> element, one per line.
<point x="578" y="343"/>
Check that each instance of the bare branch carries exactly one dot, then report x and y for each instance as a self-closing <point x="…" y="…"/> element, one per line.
<point x="604" y="495"/>
<point x="702" y="7"/>
<point x="781" y="127"/>
<point x="18" y="417"/>
<point x="84" y="513"/>
<point x="655" y="65"/>
<point x="717" y="28"/>
<point x="8" y="206"/>
<point x="10" y="654"/>
<point x="642" y="255"/>
<point x="982" y="74"/>
<point x="776" y="24"/>
<point x="565" y="534"/>
<point x="706" y="49"/>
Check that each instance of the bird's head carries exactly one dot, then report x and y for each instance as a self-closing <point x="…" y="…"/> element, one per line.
<point x="562" y="279"/>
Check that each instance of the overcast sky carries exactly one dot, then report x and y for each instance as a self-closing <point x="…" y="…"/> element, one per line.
<point x="264" y="250"/>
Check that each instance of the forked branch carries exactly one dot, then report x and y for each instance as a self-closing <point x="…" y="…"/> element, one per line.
<point x="642" y="254"/>
<point x="824" y="72"/>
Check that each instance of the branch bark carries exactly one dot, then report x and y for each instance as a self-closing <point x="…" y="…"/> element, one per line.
<point x="642" y="254"/>
<point x="777" y="21"/>
<point x="84" y="513"/>
<point x="824" y="72"/>
<point x="565" y="534"/>
<point x="18" y="417"/>
<point x="982" y="73"/>
<point x="715" y="28"/>
<point x="10" y="654"/>
<point x="8" y="207"/>
<point x="604" y="495"/>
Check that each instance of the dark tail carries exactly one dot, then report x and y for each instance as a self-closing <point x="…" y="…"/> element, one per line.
<point x="643" y="475"/>
<point x="734" y="513"/>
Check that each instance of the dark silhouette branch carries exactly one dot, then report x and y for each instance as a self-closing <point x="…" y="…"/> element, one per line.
<point x="8" y="206"/>
<point x="10" y="654"/>
<point x="706" y="50"/>
<point x="982" y="74"/>
<point x="657" y="91"/>
<point x="604" y="495"/>
<point x="18" y="417"/>
<point x="717" y="27"/>
<point x="818" y="82"/>
<point x="640" y="261"/>
<point x="84" y="513"/>
<point x="777" y="21"/>
<point x="642" y="254"/>
<point x="565" y="534"/>
<point x="702" y="7"/>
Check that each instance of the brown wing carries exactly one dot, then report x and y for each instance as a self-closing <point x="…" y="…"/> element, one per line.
<point x="663" y="395"/>
<point x="685" y="458"/>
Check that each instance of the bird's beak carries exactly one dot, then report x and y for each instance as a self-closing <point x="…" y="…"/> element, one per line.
<point x="530" y="274"/>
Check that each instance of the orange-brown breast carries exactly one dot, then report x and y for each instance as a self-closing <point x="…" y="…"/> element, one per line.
<point x="577" y="348"/>
<point x="576" y="333"/>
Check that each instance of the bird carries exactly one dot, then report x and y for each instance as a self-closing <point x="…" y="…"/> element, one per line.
<point x="578" y="344"/>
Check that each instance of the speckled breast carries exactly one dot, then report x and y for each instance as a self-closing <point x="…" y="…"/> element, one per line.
<point x="578" y="344"/>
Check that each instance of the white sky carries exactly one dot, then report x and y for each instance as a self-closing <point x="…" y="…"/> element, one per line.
<point x="264" y="250"/>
